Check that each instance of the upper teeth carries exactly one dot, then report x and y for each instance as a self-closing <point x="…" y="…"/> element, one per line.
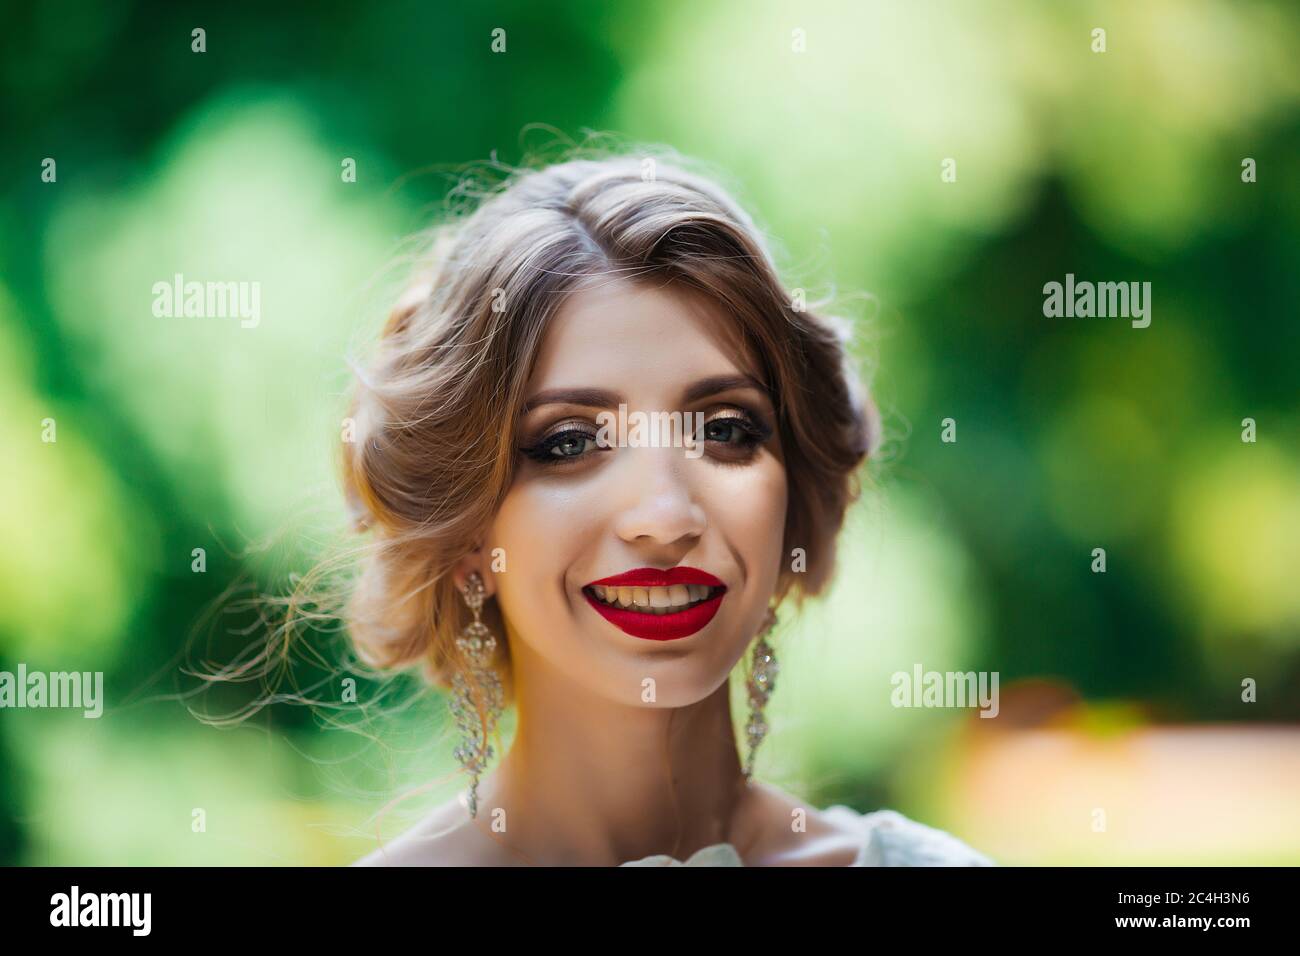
<point x="653" y="600"/>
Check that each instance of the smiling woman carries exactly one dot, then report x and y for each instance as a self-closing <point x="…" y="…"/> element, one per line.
<point x="607" y="589"/>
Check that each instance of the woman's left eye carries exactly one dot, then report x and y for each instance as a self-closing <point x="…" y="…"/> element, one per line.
<point x="729" y="431"/>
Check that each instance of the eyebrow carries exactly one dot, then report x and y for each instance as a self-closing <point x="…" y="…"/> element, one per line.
<point x="603" y="398"/>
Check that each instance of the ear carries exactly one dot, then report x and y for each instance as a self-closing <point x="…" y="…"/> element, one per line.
<point x="472" y="563"/>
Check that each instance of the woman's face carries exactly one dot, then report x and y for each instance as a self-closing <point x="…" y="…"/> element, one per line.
<point x="582" y="510"/>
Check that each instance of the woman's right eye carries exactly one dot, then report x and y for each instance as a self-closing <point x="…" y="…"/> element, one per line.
<point x="569" y="445"/>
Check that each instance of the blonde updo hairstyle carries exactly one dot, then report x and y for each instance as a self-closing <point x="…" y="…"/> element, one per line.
<point x="435" y="411"/>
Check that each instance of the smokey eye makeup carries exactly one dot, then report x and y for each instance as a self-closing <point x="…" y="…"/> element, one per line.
<point x="731" y="433"/>
<point x="569" y="441"/>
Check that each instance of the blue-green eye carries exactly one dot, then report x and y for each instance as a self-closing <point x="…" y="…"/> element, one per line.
<point x="567" y="445"/>
<point x="739" y="431"/>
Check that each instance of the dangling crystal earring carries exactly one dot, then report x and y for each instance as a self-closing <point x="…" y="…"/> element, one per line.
<point x="482" y="687"/>
<point x="762" y="680"/>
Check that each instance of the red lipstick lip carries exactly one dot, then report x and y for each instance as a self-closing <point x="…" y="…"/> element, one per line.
<point x="659" y="627"/>
<point x="657" y="578"/>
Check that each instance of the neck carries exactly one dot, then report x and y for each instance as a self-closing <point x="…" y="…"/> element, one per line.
<point x="592" y="782"/>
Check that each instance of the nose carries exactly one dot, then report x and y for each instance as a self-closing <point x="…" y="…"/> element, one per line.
<point x="661" y="507"/>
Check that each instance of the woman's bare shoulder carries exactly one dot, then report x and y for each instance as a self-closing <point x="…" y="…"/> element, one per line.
<point x="841" y="836"/>
<point x="893" y="839"/>
<point x="798" y="834"/>
<point x="445" y="837"/>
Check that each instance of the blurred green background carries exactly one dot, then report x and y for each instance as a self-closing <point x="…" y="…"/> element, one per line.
<point x="1121" y="691"/>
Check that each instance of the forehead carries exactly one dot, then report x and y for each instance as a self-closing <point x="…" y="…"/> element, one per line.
<point x="619" y="334"/>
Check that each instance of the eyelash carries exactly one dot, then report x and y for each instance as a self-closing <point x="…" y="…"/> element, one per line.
<point x="753" y="432"/>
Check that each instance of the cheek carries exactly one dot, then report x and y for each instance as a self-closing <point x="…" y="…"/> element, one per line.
<point x="541" y="530"/>
<point x="747" y="505"/>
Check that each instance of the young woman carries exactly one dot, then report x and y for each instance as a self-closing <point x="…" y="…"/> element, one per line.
<point x="536" y="544"/>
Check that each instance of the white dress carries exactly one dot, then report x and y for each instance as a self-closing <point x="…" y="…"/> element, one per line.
<point x="888" y="839"/>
